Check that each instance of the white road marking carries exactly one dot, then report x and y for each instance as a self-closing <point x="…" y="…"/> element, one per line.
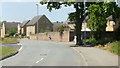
<point x="19" y="44"/>
<point x="86" y="64"/>
<point x="39" y="60"/>
<point x="20" y="49"/>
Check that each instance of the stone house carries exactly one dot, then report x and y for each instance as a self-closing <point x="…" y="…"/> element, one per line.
<point x="111" y="25"/>
<point x="39" y="24"/>
<point x="8" y="25"/>
<point x="72" y="25"/>
<point x="23" y="27"/>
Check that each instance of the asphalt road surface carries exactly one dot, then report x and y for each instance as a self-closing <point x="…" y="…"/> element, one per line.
<point x="44" y="53"/>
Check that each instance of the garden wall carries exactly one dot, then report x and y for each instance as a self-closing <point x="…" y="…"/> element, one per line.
<point x="55" y="36"/>
<point x="66" y="37"/>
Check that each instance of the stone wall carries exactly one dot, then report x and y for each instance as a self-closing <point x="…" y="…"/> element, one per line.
<point x="55" y="36"/>
<point x="66" y="37"/>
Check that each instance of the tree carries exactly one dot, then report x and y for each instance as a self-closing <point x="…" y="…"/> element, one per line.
<point x="2" y="23"/>
<point x="62" y="28"/>
<point x="97" y="20"/>
<point x="79" y="14"/>
<point x="11" y="31"/>
<point x="98" y="14"/>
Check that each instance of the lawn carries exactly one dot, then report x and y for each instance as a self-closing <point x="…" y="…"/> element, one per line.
<point x="9" y="40"/>
<point x="6" y="51"/>
<point x="113" y="47"/>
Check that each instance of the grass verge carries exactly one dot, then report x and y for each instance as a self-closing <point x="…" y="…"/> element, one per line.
<point x="113" y="47"/>
<point x="6" y="51"/>
<point x="9" y="40"/>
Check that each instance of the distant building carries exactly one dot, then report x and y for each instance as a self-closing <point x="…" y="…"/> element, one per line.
<point x="111" y="25"/>
<point x="23" y="27"/>
<point x="72" y="25"/>
<point x="43" y="24"/>
<point x="8" y="25"/>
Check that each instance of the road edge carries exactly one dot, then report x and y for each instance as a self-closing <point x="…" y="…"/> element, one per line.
<point x="82" y="56"/>
<point x="13" y="53"/>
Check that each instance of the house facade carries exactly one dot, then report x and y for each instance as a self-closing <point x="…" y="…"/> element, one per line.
<point x="72" y="25"/>
<point x="111" y="25"/>
<point x="23" y="27"/>
<point x="8" y="25"/>
<point x="39" y="24"/>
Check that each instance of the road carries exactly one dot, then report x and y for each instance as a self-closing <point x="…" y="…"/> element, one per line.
<point x="44" y="53"/>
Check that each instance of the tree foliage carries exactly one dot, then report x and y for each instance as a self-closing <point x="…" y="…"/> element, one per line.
<point x="98" y="16"/>
<point x="11" y="31"/>
<point x="62" y="28"/>
<point x="1" y="22"/>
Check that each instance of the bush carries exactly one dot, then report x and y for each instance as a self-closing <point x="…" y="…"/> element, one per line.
<point x="11" y="31"/>
<point x="114" y="47"/>
<point x="91" y="41"/>
<point x="116" y="34"/>
<point x="46" y="31"/>
<point x="104" y="41"/>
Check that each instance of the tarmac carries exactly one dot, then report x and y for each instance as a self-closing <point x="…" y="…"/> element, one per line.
<point x="97" y="57"/>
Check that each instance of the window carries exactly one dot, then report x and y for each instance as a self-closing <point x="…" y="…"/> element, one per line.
<point x="48" y="27"/>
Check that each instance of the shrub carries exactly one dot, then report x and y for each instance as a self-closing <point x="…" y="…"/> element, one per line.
<point x="116" y="34"/>
<point x="90" y="41"/>
<point x="11" y="31"/>
<point x="114" y="47"/>
<point x="104" y="41"/>
<point x="46" y="31"/>
<point x="23" y="34"/>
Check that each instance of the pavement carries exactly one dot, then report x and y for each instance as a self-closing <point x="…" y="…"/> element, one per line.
<point x="44" y="53"/>
<point x="97" y="57"/>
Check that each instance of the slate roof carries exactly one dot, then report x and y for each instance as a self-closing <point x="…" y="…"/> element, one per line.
<point x="9" y="25"/>
<point x="24" y="23"/>
<point x="34" y="20"/>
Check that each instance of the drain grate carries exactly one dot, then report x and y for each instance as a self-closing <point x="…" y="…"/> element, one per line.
<point x="43" y="54"/>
